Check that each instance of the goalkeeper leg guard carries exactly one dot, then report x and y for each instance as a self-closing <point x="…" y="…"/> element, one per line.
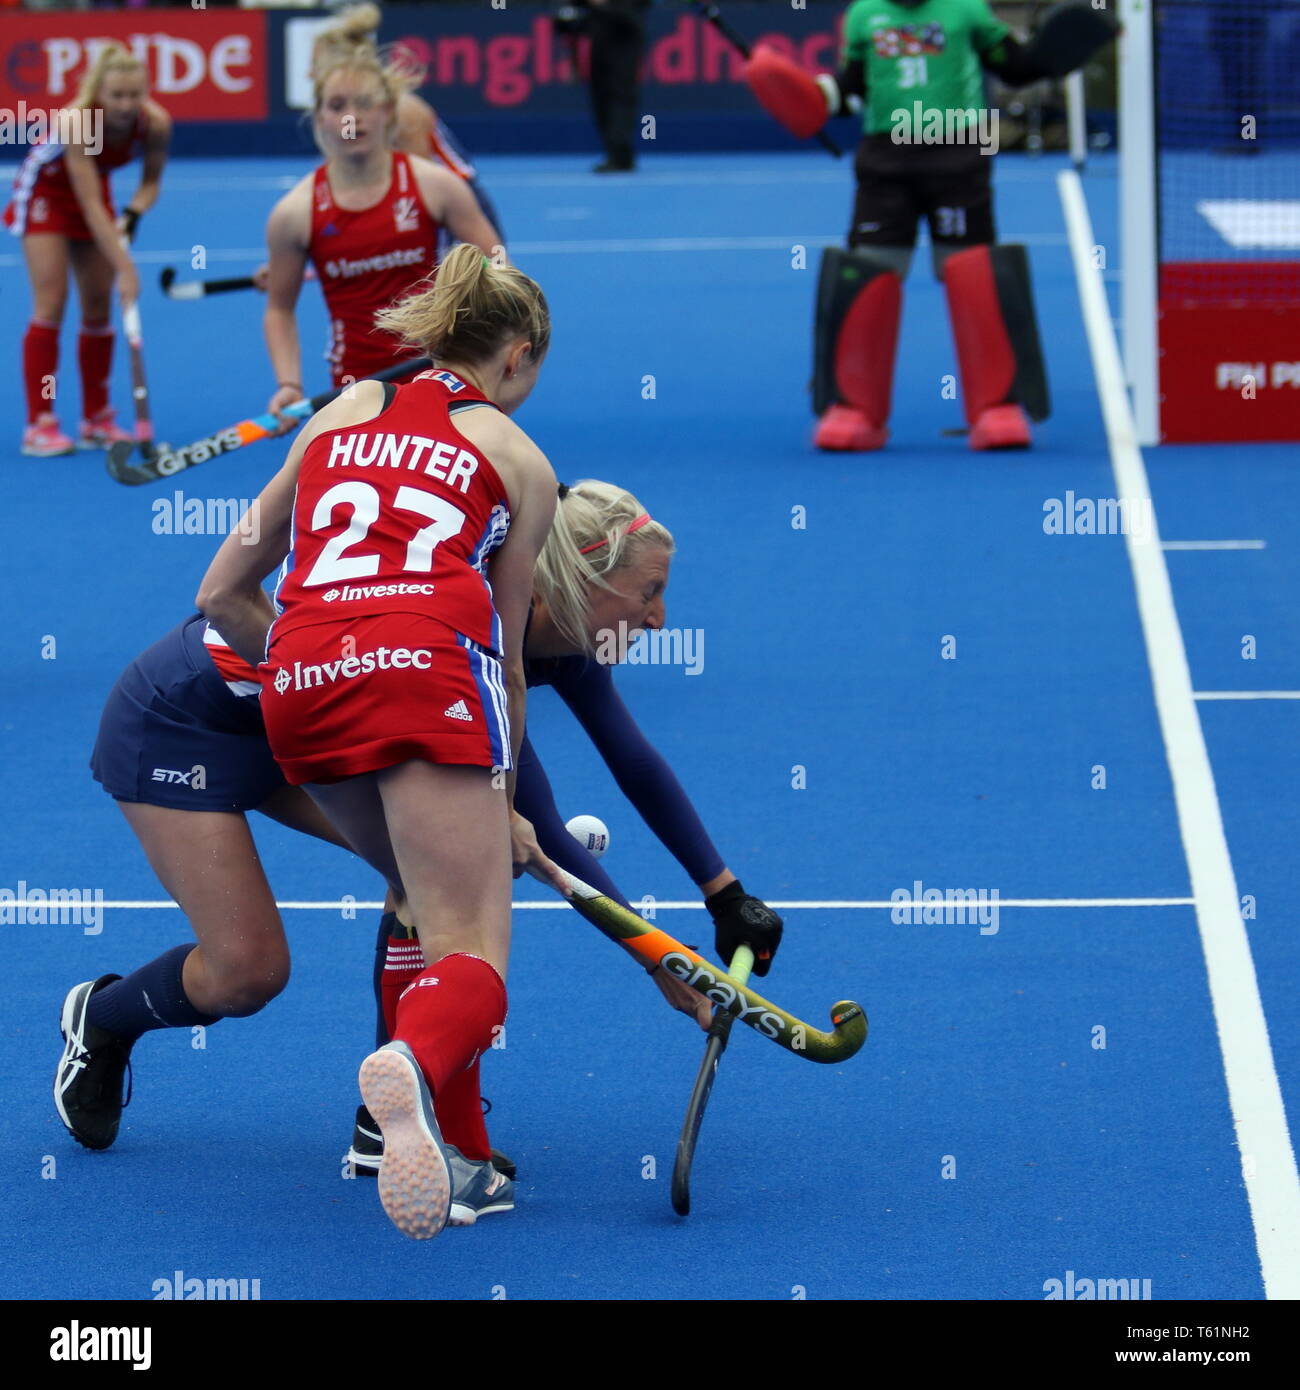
<point x="859" y="300"/>
<point x="990" y="302"/>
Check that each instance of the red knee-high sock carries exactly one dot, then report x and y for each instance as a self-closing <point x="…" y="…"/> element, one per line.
<point x="404" y="963"/>
<point x="40" y="363"/>
<point x="95" y="358"/>
<point x="447" y="1017"/>
<point x="459" y="1108"/>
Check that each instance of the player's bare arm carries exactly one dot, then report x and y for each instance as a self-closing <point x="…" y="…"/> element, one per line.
<point x="287" y="233"/>
<point x="451" y="201"/>
<point x="231" y="594"/>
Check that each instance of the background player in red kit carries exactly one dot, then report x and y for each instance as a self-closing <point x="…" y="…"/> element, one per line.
<point x="394" y="687"/>
<point x="368" y="220"/>
<point x="62" y="207"/>
<point x="420" y="130"/>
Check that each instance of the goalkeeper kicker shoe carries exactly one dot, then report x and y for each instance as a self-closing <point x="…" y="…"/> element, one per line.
<point x="88" y="1082"/>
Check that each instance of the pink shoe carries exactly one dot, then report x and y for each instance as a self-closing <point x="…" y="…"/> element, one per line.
<point x="45" y="439"/>
<point x="102" y="431"/>
<point x="1001" y="427"/>
<point x="846" y="429"/>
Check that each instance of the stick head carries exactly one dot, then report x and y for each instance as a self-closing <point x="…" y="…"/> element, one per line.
<point x="850" y="1027"/>
<point x="165" y="278"/>
<point x="121" y="469"/>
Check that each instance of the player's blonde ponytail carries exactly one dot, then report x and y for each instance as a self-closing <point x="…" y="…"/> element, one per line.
<point x="355" y="24"/>
<point x="355" y="32"/>
<point x="113" y="57"/>
<point x="593" y="517"/>
<point x="469" y="309"/>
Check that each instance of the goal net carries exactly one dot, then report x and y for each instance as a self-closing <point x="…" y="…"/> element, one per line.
<point x="1211" y="212"/>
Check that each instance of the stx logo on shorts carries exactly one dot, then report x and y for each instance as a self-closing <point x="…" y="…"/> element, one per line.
<point x="304" y="677"/>
<point x="196" y="777"/>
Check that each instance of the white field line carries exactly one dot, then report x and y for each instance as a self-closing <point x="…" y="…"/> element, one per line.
<point x="795" y="171"/>
<point x="590" y="246"/>
<point x="795" y="905"/>
<point x="1213" y="545"/>
<point x="1268" y="1158"/>
<point x="1247" y="695"/>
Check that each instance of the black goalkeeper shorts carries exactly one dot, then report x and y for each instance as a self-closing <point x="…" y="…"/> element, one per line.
<point x="951" y="186"/>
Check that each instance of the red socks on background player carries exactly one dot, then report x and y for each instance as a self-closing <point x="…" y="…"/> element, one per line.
<point x="448" y="1015"/>
<point x="40" y="364"/>
<point x="95" y="358"/>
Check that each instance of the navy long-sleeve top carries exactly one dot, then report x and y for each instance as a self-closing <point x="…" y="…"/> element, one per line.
<point x="642" y="774"/>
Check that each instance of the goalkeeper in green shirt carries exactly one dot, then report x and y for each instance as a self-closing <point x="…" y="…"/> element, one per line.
<point x="914" y="70"/>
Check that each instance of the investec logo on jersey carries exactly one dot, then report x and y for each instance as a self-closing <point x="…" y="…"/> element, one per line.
<point x="355" y="591"/>
<point x="347" y="668"/>
<point x="342" y="269"/>
<point x="448" y="463"/>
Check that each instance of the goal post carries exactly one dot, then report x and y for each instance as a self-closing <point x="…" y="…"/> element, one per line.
<point x="1137" y="144"/>
<point x="1210" y="218"/>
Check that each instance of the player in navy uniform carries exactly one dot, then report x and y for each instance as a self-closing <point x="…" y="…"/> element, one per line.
<point x="182" y="748"/>
<point x="602" y="572"/>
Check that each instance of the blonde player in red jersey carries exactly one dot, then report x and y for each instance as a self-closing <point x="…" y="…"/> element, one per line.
<point x="368" y="219"/>
<point x="394" y="688"/>
<point x="419" y="131"/>
<point x="62" y="207"/>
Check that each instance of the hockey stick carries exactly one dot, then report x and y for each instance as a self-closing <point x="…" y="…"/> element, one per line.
<point x="741" y="964"/>
<point x="167" y="462"/>
<point x="139" y="387"/>
<point x="652" y="946"/>
<point x="197" y="289"/>
<point x="200" y="289"/>
<point x="711" y="12"/>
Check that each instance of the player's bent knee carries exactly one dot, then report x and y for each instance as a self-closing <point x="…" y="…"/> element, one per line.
<point x="245" y="987"/>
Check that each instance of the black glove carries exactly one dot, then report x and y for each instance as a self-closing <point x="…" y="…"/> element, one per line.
<point x="130" y="221"/>
<point x="740" y="919"/>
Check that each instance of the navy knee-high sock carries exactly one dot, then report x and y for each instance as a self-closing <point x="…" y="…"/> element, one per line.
<point x="387" y="926"/>
<point x="151" y="997"/>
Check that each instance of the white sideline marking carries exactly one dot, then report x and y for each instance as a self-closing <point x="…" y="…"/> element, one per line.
<point x="1272" y="1183"/>
<point x="1272" y="224"/>
<point x="831" y="905"/>
<point x="1247" y="694"/>
<point x="797" y="171"/>
<point x="590" y="246"/>
<point x="1213" y="545"/>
